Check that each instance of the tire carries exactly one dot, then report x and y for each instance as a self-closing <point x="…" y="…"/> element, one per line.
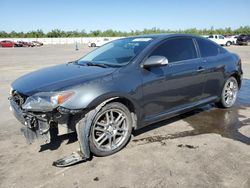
<point x="93" y="45"/>
<point x="228" y="43"/>
<point x="107" y="137"/>
<point x="229" y="93"/>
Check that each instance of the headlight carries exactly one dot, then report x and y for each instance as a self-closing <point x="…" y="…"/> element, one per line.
<point x="46" y="101"/>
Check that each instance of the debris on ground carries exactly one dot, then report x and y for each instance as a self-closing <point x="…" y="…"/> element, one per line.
<point x="187" y="146"/>
<point x="74" y="158"/>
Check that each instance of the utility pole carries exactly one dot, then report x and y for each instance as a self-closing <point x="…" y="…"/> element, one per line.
<point x="76" y="46"/>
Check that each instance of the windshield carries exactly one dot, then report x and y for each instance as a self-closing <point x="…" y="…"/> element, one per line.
<point x="118" y="52"/>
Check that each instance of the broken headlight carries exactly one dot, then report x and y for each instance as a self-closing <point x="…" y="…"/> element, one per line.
<point x="46" y="101"/>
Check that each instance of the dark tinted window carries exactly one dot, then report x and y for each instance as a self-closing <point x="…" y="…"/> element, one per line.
<point x="178" y="49"/>
<point x="207" y="48"/>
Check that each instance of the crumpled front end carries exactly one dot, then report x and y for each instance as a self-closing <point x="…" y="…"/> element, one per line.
<point x="37" y="125"/>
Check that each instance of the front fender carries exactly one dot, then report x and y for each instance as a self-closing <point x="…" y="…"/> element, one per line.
<point x="113" y="95"/>
<point x="92" y="97"/>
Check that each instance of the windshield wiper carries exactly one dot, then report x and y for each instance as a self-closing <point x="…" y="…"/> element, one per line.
<point x="97" y="64"/>
<point x="72" y="62"/>
<point x="89" y="63"/>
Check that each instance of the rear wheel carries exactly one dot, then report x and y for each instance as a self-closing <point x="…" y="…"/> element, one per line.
<point x="93" y="45"/>
<point x="229" y="93"/>
<point x="110" y="130"/>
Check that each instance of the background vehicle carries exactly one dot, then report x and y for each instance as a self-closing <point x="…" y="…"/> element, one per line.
<point x="205" y="36"/>
<point x="7" y="43"/>
<point x="19" y="44"/>
<point x="124" y="85"/>
<point x="26" y="44"/>
<point x="232" y="38"/>
<point x="221" y="40"/>
<point x="98" y="42"/>
<point x="22" y="44"/>
<point x="37" y="43"/>
<point x="244" y="40"/>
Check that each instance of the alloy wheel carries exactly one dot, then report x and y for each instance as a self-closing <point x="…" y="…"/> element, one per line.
<point x="110" y="129"/>
<point x="230" y="92"/>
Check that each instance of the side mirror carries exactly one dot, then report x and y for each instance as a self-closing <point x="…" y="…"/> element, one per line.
<point x="155" y="61"/>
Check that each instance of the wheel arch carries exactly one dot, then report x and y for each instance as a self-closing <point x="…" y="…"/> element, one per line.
<point x="123" y="99"/>
<point x="237" y="77"/>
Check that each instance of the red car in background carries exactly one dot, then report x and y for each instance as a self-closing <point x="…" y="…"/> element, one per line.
<point x="7" y="43"/>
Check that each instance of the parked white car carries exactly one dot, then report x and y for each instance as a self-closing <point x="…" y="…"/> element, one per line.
<point x="221" y="40"/>
<point x="98" y="42"/>
<point x="232" y="38"/>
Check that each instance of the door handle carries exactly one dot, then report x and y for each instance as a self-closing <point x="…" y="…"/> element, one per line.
<point x="200" y="69"/>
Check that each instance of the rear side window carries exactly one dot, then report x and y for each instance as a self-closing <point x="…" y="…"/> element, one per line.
<point x="207" y="48"/>
<point x="177" y="49"/>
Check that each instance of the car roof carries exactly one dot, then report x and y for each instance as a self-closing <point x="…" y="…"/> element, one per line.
<point x="163" y="36"/>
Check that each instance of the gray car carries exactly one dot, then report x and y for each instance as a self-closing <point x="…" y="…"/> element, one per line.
<point x="122" y="86"/>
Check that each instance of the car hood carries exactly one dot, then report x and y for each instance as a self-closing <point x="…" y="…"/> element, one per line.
<point x="58" y="77"/>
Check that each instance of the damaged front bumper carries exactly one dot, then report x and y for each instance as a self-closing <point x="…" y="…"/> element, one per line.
<point x="36" y="126"/>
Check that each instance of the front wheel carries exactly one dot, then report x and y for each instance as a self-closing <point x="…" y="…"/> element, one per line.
<point x="229" y="93"/>
<point x="228" y="43"/>
<point x="111" y="129"/>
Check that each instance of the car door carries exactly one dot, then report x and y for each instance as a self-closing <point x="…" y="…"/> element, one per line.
<point x="176" y="85"/>
<point x="213" y="64"/>
<point x="8" y="44"/>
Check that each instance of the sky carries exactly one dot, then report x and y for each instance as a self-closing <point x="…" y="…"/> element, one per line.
<point x="123" y="15"/>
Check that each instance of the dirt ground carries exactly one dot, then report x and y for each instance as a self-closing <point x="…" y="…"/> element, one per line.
<point x="208" y="147"/>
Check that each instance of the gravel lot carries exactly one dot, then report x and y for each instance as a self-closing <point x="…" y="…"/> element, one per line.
<point x="208" y="147"/>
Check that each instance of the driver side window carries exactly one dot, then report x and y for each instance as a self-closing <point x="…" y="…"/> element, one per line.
<point x="177" y="49"/>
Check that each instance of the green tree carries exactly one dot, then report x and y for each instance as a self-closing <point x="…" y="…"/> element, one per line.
<point x="112" y="33"/>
